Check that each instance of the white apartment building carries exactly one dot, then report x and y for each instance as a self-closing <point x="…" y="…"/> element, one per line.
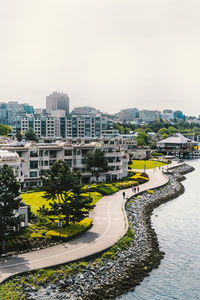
<point x="12" y="159"/>
<point x="37" y="158"/>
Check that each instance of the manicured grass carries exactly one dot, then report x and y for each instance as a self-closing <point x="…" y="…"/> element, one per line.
<point x="36" y="200"/>
<point x="70" y="230"/>
<point x="150" y="164"/>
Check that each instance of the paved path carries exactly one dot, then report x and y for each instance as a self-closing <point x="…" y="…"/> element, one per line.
<point x="109" y="225"/>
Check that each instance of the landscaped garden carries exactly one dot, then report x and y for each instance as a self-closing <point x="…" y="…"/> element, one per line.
<point x="43" y="229"/>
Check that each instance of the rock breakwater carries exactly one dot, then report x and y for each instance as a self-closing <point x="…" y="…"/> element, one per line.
<point x="110" y="278"/>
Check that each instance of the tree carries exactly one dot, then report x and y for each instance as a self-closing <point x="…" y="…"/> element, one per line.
<point x="30" y="135"/>
<point x="164" y="136"/>
<point x="172" y="130"/>
<point x="163" y="131"/>
<point x="142" y="139"/>
<point x="9" y="201"/>
<point x="63" y="186"/>
<point x="148" y="130"/>
<point x="4" y="130"/>
<point x="19" y="136"/>
<point x="96" y="163"/>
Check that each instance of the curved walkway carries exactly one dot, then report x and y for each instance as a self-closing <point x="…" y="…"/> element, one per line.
<point x="109" y="225"/>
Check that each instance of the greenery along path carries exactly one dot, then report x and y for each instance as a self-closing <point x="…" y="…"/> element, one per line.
<point x="110" y="224"/>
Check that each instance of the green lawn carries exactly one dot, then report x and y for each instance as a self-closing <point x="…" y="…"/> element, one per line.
<point x="35" y="199"/>
<point x="150" y="164"/>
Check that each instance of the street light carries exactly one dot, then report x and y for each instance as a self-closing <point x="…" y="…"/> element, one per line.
<point x="89" y="192"/>
<point x="144" y="165"/>
<point x="59" y="221"/>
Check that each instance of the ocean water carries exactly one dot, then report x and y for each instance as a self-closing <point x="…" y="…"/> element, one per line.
<point x="177" y="225"/>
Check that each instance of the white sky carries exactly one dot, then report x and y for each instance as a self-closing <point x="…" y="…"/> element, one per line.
<point x="110" y="54"/>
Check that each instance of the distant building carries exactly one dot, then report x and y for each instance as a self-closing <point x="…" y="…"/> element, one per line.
<point x="11" y="110"/>
<point x="167" y="111"/>
<point x="128" y="114"/>
<point x="57" y="101"/>
<point x="167" y="116"/>
<point x="57" y="125"/>
<point x="85" y="110"/>
<point x="149" y="115"/>
<point x="178" y="114"/>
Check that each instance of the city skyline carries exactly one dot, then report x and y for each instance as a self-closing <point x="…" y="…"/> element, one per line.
<point x="111" y="55"/>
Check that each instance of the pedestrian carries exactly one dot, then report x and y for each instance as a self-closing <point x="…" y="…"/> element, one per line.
<point x="124" y="194"/>
<point x="138" y="189"/>
<point x="134" y="189"/>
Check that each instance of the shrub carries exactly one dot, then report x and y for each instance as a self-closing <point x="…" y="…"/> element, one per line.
<point x="107" y="189"/>
<point x="150" y="191"/>
<point x="156" y="154"/>
<point x="108" y="255"/>
<point x="126" y="184"/>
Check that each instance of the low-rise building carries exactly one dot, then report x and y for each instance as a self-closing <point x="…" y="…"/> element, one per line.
<point x="13" y="160"/>
<point x="178" y="144"/>
<point x="37" y="158"/>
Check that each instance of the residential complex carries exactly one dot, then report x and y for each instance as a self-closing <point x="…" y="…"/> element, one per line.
<point x="36" y="158"/>
<point x="13" y="160"/>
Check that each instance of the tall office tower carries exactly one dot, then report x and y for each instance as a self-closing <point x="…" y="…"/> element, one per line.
<point x="57" y="101"/>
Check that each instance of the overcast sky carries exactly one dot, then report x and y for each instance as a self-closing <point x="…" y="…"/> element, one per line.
<point x="110" y="54"/>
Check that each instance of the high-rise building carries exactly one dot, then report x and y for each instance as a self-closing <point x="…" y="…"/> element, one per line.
<point x="57" y="101"/>
<point x="128" y="114"/>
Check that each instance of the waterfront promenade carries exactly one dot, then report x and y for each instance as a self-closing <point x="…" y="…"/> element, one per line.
<point x="109" y="225"/>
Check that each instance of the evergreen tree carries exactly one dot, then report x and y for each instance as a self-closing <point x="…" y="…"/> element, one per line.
<point x="63" y="186"/>
<point x="19" y="136"/>
<point x="9" y="201"/>
<point x="30" y="135"/>
<point x="96" y="163"/>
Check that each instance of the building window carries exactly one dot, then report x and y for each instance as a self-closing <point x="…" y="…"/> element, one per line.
<point x="68" y="152"/>
<point x="69" y="162"/>
<point x="33" y="154"/>
<point x="46" y="163"/>
<point x="33" y="164"/>
<point x="33" y="174"/>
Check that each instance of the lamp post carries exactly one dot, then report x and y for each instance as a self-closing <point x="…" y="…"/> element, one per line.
<point x="59" y="221"/>
<point x="144" y="165"/>
<point x="89" y="192"/>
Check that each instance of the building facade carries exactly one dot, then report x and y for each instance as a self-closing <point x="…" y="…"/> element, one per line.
<point x="13" y="160"/>
<point x="38" y="158"/>
<point x="57" y="101"/>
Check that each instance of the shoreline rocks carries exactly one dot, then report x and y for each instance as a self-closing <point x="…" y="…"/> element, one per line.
<point x="116" y="277"/>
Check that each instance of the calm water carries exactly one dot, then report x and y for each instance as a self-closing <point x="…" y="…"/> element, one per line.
<point x="178" y="230"/>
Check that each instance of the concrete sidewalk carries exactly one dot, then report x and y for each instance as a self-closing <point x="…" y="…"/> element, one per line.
<point x="109" y="225"/>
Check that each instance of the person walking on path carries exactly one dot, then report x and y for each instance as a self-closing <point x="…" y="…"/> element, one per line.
<point x="124" y="194"/>
<point x="138" y="189"/>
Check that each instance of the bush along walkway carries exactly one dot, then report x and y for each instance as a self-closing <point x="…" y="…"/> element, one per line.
<point x="119" y="269"/>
